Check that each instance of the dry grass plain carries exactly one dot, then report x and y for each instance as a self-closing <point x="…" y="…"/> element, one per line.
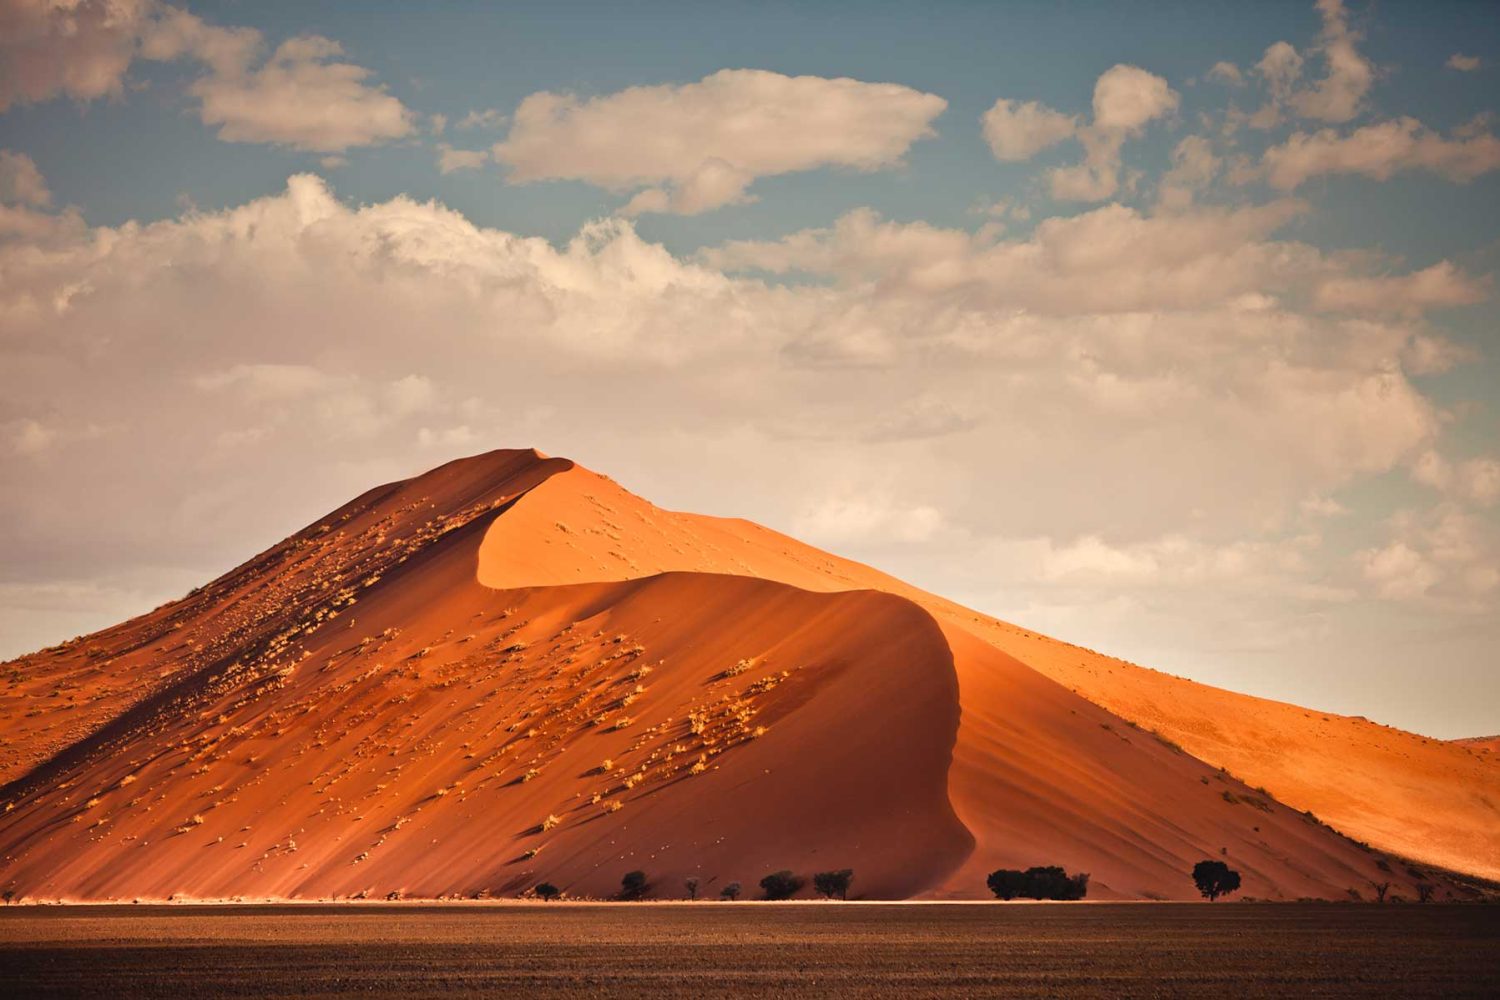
<point x="747" y="949"/>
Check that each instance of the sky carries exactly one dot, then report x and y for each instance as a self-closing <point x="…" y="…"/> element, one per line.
<point x="1167" y="329"/>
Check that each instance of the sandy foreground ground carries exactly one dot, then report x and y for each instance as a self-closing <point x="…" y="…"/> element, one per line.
<point x="689" y="950"/>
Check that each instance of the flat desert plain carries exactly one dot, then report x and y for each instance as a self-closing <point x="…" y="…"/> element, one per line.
<point x="752" y="949"/>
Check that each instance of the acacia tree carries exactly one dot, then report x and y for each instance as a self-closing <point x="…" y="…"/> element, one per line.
<point x="1215" y="879"/>
<point x="1381" y="888"/>
<point x="633" y="885"/>
<point x="782" y="884"/>
<point x="548" y="891"/>
<point x="829" y="883"/>
<point x="691" y="885"/>
<point x="731" y="891"/>
<point x="1425" y="891"/>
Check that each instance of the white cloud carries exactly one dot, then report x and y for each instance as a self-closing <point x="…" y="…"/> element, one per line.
<point x="1476" y="480"/>
<point x="1379" y="151"/>
<point x="1018" y="131"/>
<point x="21" y="182"/>
<point x="1338" y="96"/>
<point x="1126" y="99"/>
<point x="1226" y="72"/>
<point x="483" y="118"/>
<point x="304" y="98"/>
<point x="1194" y="166"/>
<point x="1439" y="286"/>
<point x="694" y="147"/>
<point x="451" y="160"/>
<point x="1463" y="63"/>
<point x="1445" y="556"/>
<point x="301" y="96"/>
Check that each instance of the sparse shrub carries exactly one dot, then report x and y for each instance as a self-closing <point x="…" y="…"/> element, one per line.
<point x="548" y="891"/>
<point x="633" y="885"/>
<point x="730" y="892"/>
<point x="831" y="883"/>
<point x="1215" y="879"/>
<point x="782" y="885"/>
<point x="691" y="885"/>
<point x="1042" y="882"/>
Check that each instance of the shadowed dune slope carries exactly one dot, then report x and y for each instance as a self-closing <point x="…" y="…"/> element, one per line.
<point x="1401" y="792"/>
<point x="509" y="670"/>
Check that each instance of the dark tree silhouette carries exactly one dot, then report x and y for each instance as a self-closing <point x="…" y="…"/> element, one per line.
<point x="1381" y="888"/>
<point x="731" y="891"/>
<point x="691" y="885"/>
<point x="1007" y="883"/>
<point x="1215" y="879"/>
<point x="831" y="883"/>
<point x="1425" y="891"/>
<point x="1042" y="882"/>
<point x="782" y="885"/>
<point x="548" y="891"/>
<point x="633" y="885"/>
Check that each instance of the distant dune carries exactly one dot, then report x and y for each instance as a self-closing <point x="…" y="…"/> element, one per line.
<point x="511" y="670"/>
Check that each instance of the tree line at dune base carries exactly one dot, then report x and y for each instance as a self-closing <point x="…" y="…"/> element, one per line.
<point x="1049" y="882"/>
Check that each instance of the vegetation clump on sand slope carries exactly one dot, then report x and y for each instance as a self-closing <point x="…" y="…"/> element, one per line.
<point x="1050" y="882"/>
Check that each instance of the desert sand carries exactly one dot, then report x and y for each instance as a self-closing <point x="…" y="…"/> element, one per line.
<point x="510" y="670"/>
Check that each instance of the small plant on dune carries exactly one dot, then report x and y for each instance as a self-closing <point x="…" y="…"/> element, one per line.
<point x="550" y="822"/>
<point x="1215" y="879"/>
<point x="731" y="891"/>
<point x="633" y="885"/>
<point x="830" y="884"/>
<point x="691" y="885"/>
<point x="782" y="885"/>
<point x="548" y="891"/>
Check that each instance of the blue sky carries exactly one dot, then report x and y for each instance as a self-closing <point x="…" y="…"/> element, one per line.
<point x="1167" y="328"/>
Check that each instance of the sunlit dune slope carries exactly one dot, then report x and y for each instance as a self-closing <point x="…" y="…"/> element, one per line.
<point x="511" y="670"/>
<point x="1401" y="792"/>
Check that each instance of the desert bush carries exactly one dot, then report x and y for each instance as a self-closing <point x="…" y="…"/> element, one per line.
<point x="730" y="892"/>
<point x="830" y="884"/>
<point x="1042" y="882"/>
<point x="548" y="891"/>
<point x="633" y="885"/>
<point x="1215" y="879"/>
<point x="782" y="885"/>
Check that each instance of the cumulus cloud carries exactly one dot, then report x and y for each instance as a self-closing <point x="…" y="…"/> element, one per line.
<point x="1126" y="99"/>
<point x="301" y="96"/>
<point x="1439" y="286"/>
<point x="1226" y="72"/>
<point x="21" y="183"/>
<point x="1338" y="96"/>
<point x="693" y="147"/>
<point x="1380" y="151"/>
<point x="1445" y="555"/>
<point x="452" y="160"/>
<point x="1018" y="131"/>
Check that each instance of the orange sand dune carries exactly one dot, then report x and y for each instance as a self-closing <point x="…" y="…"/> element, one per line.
<point x="510" y="669"/>
<point x="1423" y="798"/>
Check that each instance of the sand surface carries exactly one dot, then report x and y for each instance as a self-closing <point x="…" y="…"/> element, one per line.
<point x="745" y="949"/>
<point x="511" y="670"/>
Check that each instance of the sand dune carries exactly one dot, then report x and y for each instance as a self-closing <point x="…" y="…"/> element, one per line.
<point x="510" y="669"/>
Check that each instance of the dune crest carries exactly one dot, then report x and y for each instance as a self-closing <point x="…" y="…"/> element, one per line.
<point x="510" y="669"/>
